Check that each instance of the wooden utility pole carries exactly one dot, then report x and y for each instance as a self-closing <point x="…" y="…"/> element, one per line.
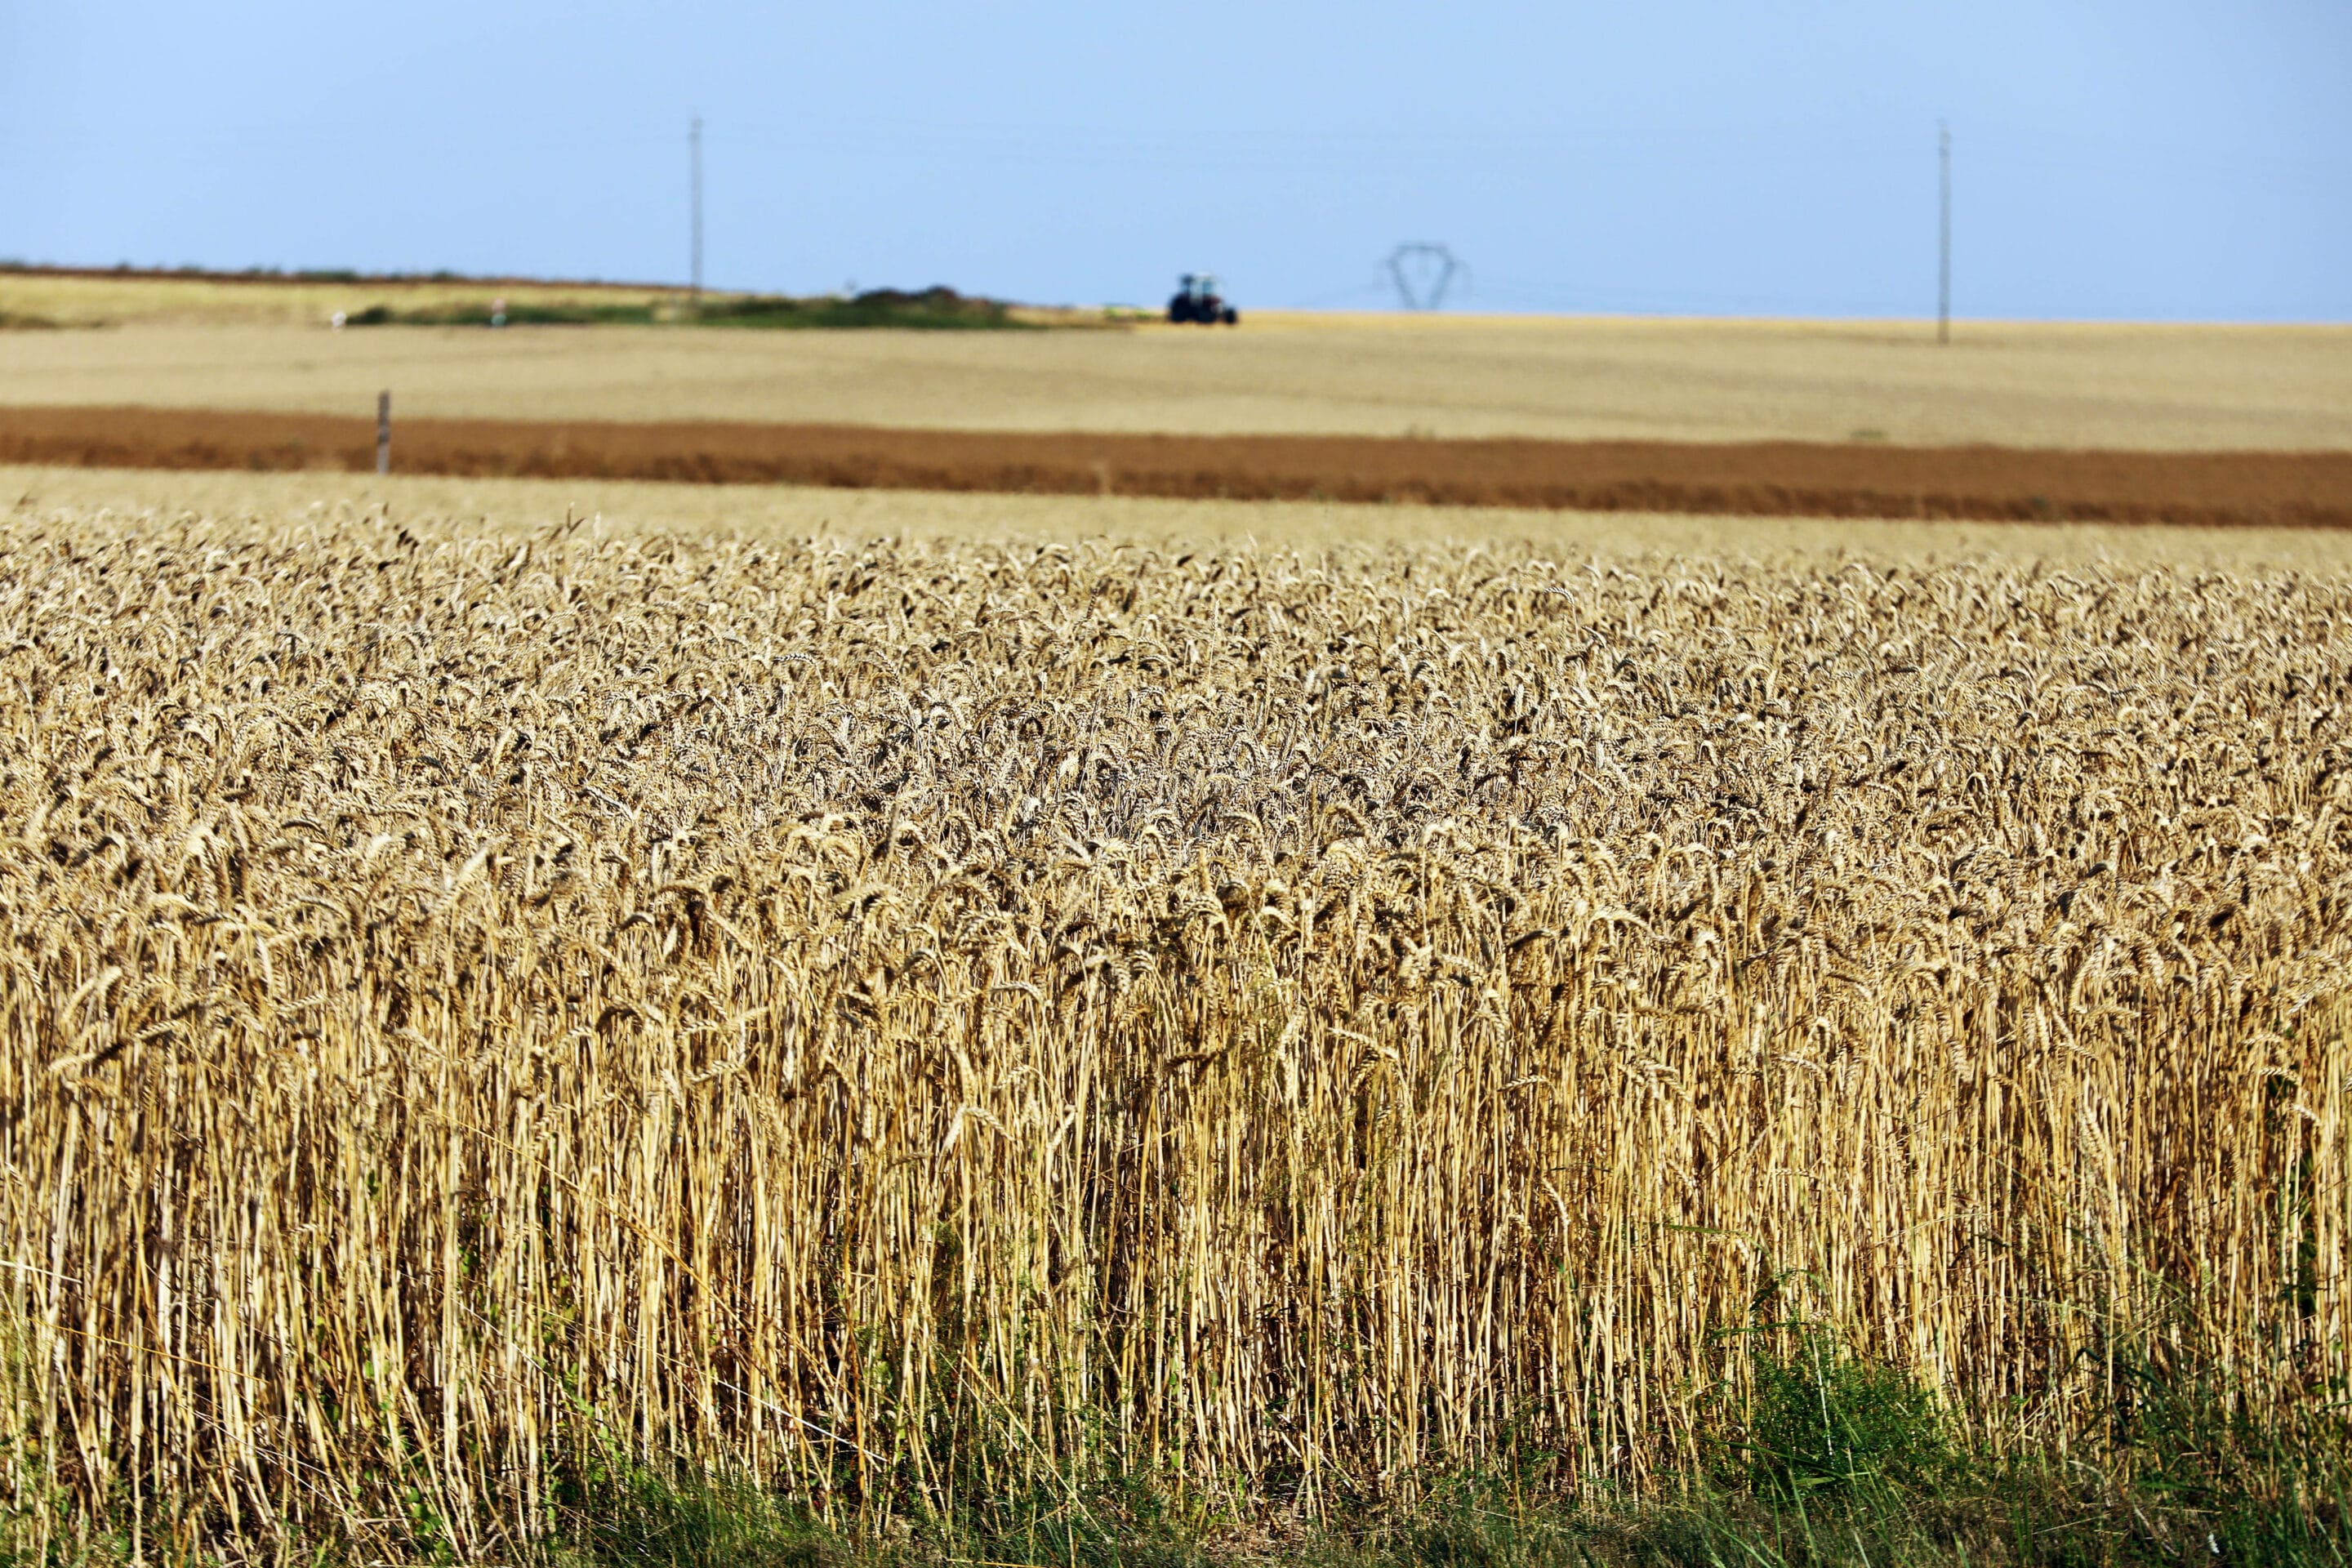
<point x="694" y="159"/>
<point x="384" y="432"/>
<point x="1944" y="236"/>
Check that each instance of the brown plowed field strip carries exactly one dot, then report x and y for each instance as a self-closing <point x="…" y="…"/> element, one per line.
<point x="1763" y="479"/>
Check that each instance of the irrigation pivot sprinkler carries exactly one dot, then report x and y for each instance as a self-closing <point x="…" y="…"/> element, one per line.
<point x="1423" y="272"/>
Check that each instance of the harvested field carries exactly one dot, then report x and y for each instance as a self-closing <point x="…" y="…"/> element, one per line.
<point x="81" y="299"/>
<point x="2076" y="387"/>
<point x="71" y="298"/>
<point x="1771" y="480"/>
<point x="929" y="1019"/>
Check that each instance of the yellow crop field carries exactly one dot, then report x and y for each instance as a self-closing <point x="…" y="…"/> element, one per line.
<point x="957" y="1004"/>
<point x="513" y="509"/>
<point x="90" y="299"/>
<point x="2125" y="387"/>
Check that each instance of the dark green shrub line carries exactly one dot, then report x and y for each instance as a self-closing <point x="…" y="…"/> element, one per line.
<point x="936" y="308"/>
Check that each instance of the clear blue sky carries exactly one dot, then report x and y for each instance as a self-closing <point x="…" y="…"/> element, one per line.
<point x="2137" y="158"/>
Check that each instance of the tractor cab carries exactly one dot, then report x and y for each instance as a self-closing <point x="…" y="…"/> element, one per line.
<point x="1197" y="300"/>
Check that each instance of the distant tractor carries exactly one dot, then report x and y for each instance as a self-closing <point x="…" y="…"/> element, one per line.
<point x="1197" y="299"/>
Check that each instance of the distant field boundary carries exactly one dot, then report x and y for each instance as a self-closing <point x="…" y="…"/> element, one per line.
<point x="335" y="275"/>
<point x="2298" y="489"/>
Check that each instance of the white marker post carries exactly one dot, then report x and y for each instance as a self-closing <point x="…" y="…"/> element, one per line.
<point x="384" y="432"/>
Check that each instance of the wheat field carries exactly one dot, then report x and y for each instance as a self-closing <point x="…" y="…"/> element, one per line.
<point x="2127" y="388"/>
<point x="910" y="1012"/>
<point x="82" y="300"/>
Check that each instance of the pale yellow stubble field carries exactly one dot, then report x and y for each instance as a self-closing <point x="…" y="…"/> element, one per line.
<point x="82" y="300"/>
<point x="2070" y="385"/>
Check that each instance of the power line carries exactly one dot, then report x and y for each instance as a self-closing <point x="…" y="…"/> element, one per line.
<point x="694" y="159"/>
<point x="1421" y="272"/>
<point x="1601" y="296"/>
<point x="1944" y="233"/>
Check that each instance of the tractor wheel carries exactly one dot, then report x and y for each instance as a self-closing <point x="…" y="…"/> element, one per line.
<point x="1179" y="310"/>
<point x="1233" y="318"/>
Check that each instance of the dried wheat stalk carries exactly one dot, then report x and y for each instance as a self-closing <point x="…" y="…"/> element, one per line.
<point x="925" y="1016"/>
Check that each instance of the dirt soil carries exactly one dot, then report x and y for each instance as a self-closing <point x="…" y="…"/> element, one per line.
<point x="1760" y="478"/>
